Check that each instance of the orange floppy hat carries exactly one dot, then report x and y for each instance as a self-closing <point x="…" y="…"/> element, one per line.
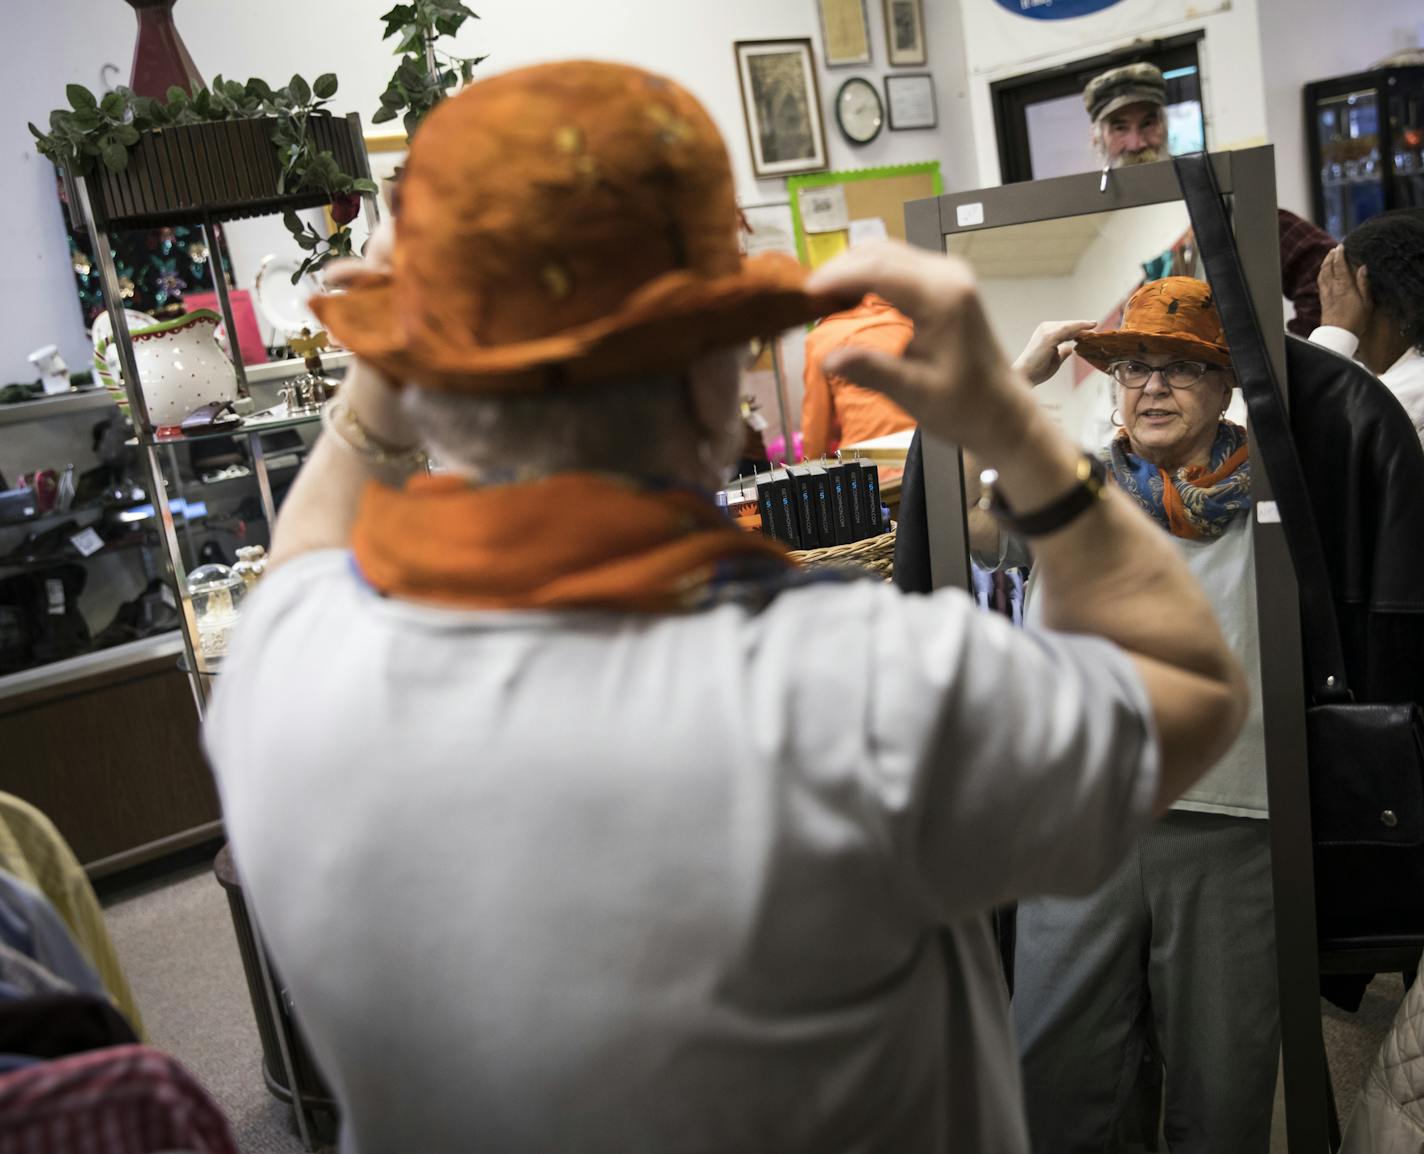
<point x="566" y="223"/>
<point x="1175" y="315"/>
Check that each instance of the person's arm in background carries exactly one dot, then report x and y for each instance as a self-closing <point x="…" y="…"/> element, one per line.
<point x="1110" y="571"/>
<point x="1048" y="348"/>
<point x="816" y="412"/>
<point x="1304" y="248"/>
<point x="320" y="509"/>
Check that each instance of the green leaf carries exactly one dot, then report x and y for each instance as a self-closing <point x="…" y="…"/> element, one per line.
<point x="79" y="97"/>
<point x="127" y="135"/>
<point x="384" y="115"/>
<point x="364" y="184"/>
<point x="113" y="105"/>
<point x="325" y="85"/>
<point x="146" y="109"/>
<point x="36" y="133"/>
<point x="259" y="88"/>
<point x="115" y="157"/>
<point x="86" y="121"/>
<point x="300" y="90"/>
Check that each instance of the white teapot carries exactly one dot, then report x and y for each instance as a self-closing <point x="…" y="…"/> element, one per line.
<point x="182" y="367"/>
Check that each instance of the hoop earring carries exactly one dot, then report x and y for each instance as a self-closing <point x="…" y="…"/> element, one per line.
<point x="1116" y="419"/>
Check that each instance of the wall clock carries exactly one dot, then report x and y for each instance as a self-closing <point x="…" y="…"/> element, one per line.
<point x="859" y="111"/>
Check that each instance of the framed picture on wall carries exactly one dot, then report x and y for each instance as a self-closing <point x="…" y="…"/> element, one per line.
<point x="910" y="99"/>
<point x="782" y="106"/>
<point x="845" y="32"/>
<point x="905" y="33"/>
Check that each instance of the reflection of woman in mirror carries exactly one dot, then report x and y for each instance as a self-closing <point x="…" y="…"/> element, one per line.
<point x="1178" y="946"/>
<point x="1372" y="304"/>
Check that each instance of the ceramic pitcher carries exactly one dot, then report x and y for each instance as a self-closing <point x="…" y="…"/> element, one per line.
<point x="181" y="366"/>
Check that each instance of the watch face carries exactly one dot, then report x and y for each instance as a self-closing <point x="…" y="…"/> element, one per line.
<point x="859" y="111"/>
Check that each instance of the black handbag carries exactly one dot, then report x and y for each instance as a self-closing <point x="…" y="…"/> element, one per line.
<point x="1366" y="759"/>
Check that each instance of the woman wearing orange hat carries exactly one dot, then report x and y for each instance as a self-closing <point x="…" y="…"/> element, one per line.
<point x="577" y="818"/>
<point x="1176" y="950"/>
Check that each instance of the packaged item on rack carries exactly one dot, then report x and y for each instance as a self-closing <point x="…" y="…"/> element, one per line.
<point x="840" y="504"/>
<point x="870" y="486"/>
<point x="805" y="506"/>
<point x="855" y="498"/>
<point x="776" y="498"/>
<point x="821" y="493"/>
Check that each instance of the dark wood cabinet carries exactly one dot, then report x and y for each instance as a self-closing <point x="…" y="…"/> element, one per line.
<point x="111" y="752"/>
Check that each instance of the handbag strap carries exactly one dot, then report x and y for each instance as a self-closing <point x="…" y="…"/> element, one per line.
<point x="1270" y="425"/>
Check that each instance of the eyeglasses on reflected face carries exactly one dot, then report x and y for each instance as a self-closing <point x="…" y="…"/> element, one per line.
<point x="1177" y="374"/>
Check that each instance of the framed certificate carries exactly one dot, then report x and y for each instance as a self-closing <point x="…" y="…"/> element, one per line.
<point x="910" y="99"/>
<point x="845" y="32"/>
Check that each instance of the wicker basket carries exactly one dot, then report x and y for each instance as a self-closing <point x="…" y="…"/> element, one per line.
<point x="877" y="554"/>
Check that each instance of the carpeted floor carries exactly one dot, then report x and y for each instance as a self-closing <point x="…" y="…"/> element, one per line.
<point x="175" y="940"/>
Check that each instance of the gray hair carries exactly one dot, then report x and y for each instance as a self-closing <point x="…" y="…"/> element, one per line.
<point x="641" y="427"/>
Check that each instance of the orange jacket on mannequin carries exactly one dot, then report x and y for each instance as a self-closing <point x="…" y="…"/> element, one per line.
<point x="834" y="411"/>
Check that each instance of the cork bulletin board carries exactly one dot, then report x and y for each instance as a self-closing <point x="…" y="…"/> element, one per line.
<point x="833" y="210"/>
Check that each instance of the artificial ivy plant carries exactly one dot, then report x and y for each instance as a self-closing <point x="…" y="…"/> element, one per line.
<point x="420" y="81"/>
<point x="94" y="131"/>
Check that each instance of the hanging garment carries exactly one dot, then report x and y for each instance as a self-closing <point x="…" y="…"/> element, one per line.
<point x="30" y="927"/>
<point x="122" y="1100"/>
<point x="57" y="1025"/>
<point x="1389" y="1114"/>
<point x="32" y="850"/>
<point x="22" y="977"/>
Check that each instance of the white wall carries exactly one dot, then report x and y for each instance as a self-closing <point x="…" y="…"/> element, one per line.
<point x="274" y="38"/>
<point x="1308" y="40"/>
<point x="1003" y="44"/>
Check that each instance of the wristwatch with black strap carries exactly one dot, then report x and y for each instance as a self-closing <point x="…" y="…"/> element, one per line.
<point x="1090" y="489"/>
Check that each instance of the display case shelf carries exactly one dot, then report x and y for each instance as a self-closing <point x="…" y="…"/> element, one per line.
<point x="100" y="661"/>
<point x="56" y="405"/>
<point x="35" y="564"/>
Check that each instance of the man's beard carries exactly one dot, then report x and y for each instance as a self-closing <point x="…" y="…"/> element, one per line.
<point x="1141" y="156"/>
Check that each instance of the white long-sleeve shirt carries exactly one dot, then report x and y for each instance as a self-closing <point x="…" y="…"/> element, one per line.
<point x="1404" y="378"/>
<point x="607" y="883"/>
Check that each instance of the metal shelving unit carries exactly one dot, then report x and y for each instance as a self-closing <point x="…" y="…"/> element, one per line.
<point x="141" y="203"/>
<point x="153" y="447"/>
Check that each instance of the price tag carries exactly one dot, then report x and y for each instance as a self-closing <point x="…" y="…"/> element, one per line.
<point x="54" y="595"/>
<point x="1268" y="513"/>
<point x="88" y="542"/>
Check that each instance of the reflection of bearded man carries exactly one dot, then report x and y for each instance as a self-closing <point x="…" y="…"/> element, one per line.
<point x="1128" y="108"/>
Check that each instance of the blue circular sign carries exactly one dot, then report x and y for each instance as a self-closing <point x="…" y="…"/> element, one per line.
<point x="1055" y="9"/>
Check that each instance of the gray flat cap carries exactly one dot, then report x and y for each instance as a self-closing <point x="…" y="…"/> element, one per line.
<point x="1119" y="87"/>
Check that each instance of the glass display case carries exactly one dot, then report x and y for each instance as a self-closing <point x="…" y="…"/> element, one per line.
<point x="80" y="566"/>
<point x="1366" y="137"/>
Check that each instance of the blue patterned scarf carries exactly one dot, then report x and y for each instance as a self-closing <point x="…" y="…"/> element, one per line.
<point x="1197" y="502"/>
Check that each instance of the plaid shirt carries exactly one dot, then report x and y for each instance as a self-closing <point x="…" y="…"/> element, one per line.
<point x="1303" y="250"/>
<point x="121" y="1100"/>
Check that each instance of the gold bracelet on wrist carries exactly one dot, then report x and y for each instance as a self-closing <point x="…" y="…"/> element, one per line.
<point x="343" y="425"/>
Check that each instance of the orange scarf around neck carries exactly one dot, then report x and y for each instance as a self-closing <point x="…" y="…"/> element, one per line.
<point x="570" y="541"/>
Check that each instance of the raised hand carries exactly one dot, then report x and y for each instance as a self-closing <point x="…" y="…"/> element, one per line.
<point x="1051" y="344"/>
<point x="1345" y="300"/>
